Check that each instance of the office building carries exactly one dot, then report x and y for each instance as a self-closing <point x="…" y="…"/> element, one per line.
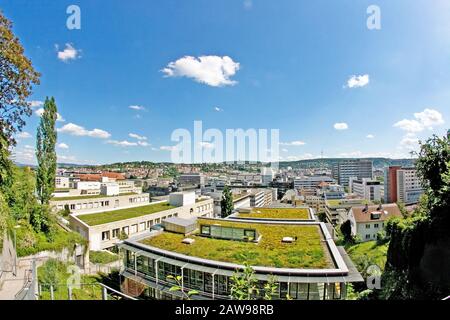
<point x="343" y="170"/>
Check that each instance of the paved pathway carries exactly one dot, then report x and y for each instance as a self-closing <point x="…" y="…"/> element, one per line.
<point x="13" y="284"/>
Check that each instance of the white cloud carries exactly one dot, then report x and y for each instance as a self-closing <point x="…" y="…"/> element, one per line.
<point x="341" y="126"/>
<point x="76" y="130"/>
<point x="23" y="135"/>
<point x="39" y="112"/>
<point x="358" y="81"/>
<point x="137" y="108"/>
<point x="136" y="136"/>
<point x="167" y="148"/>
<point x="62" y="146"/>
<point x="293" y="143"/>
<point x="36" y="103"/>
<point x="126" y="143"/>
<point x="214" y="71"/>
<point x="370" y="136"/>
<point x="427" y="119"/>
<point x="61" y="158"/>
<point x="218" y="109"/>
<point x="69" y="53"/>
<point x="409" y="142"/>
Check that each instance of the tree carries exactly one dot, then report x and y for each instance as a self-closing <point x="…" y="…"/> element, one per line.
<point x="418" y="257"/>
<point x="346" y="230"/>
<point x="17" y="77"/>
<point x="270" y="288"/>
<point x="45" y="152"/>
<point x="244" y="286"/>
<point x="179" y="287"/>
<point x="226" y="204"/>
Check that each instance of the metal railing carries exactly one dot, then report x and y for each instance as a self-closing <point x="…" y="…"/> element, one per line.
<point x="28" y="291"/>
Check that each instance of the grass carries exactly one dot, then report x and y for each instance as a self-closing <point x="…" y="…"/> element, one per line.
<point x="277" y="213"/>
<point x="368" y="253"/>
<point x="94" y="219"/>
<point x="339" y="202"/>
<point x="30" y="242"/>
<point x="57" y="273"/>
<point x="307" y="252"/>
<point x="56" y="199"/>
<point x="102" y="257"/>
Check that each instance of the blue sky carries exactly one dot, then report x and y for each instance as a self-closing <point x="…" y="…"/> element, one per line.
<point x="288" y="67"/>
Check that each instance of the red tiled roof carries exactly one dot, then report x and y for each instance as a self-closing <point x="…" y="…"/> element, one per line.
<point x="98" y="177"/>
<point x="387" y="211"/>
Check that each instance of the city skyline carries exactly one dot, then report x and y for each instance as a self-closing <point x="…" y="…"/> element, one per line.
<point x="124" y="83"/>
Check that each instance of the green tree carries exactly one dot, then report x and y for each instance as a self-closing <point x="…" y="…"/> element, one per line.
<point x="346" y="230"/>
<point x="244" y="285"/>
<point x="418" y="257"/>
<point x="45" y="152"/>
<point x="179" y="287"/>
<point x="17" y="77"/>
<point x="270" y="288"/>
<point x="226" y="204"/>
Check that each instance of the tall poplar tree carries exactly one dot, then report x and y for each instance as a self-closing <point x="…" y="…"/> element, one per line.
<point x="45" y="152"/>
<point x="226" y="204"/>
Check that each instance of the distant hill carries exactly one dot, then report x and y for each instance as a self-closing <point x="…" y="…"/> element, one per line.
<point x="328" y="162"/>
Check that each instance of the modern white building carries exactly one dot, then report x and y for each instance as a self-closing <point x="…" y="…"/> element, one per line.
<point x="311" y="182"/>
<point x="366" y="188"/>
<point x="345" y="169"/>
<point x="409" y="188"/>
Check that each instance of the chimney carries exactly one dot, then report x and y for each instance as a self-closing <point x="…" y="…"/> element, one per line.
<point x="366" y="208"/>
<point x="380" y="207"/>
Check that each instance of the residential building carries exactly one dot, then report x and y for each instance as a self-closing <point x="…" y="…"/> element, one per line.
<point x="366" y="221"/>
<point x="336" y="210"/>
<point x="62" y="182"/>
<point x="366" y="188"/>
<point x="343" y="170"/>
<point x="199" y="258"/>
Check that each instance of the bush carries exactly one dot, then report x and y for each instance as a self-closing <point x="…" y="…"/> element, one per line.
<point x="102" y="257"/>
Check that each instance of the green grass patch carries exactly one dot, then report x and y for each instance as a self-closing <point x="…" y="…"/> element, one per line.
<point x="368" y="253"/>
<point x="269" y="252"/>
<point x="30" y="242"/>
<point x="277" y="213"/>
<point x="94" y="219"/>
<point x="58" y="274"/>
<point x="102" y="257"/>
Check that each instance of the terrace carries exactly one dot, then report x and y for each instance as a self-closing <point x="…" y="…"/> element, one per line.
<point x="86" y="197"/>
<point x="94" y="219"/>
<point x="307" y="251"/>
<point x="276" y="213"/>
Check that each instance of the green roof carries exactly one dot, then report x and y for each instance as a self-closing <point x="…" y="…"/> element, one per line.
<point x="56" y="199"/>
<point x="309" y="251"/>
<point x="94" y="219"/>
<point x="277" y="213"/>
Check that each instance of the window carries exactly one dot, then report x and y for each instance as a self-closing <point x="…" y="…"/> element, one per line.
<point x="126" y="230"/>
<point x="142" y="226"/>
<point x="105" y="235"/>
<point x="134" y="228"/>
<point x="367" y="226"/>
<point x="367" y="236"/>
<point x="376" y="225"/>
<point x="72" y="207"/>
<point x="206" y="230"/>
<point x="149" y="224"/>
<point x="115" y="233"/>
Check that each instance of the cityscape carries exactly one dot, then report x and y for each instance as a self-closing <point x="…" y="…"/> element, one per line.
<point x="279" y="177"/>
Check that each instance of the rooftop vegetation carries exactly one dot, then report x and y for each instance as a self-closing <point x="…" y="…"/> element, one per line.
<point x="308" y="251"/>
<point x="94" y="219"/>
<point x="277" y="213"/>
